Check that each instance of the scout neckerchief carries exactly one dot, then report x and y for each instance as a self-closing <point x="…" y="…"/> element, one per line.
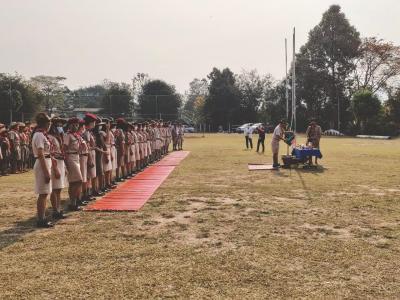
<point x="77" y="136"/>
<point x="44" y="132"/>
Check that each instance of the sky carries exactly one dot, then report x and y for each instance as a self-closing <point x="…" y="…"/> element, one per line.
<point x="88" y="41"/>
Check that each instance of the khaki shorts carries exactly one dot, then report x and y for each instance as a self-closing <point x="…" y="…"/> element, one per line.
<point x="275" y="147"/>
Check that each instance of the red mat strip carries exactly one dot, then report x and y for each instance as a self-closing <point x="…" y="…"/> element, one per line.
<point x="134" y="193"/>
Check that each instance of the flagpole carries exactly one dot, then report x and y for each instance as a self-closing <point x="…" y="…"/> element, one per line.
<point x="294" y="81"/>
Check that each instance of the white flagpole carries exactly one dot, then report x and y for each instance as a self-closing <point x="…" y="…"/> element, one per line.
<point x="294" y="80"/>
<point x="286" y="83"/>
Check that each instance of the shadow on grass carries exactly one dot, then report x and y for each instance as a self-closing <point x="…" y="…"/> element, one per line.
<point x="299" y="172"/>
<point x="21" y="228"/>
<point x="17" y="232"/>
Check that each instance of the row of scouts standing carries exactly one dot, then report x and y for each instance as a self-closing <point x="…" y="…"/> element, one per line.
<point x="15" y="148"/>
<point x="91" y="155"/>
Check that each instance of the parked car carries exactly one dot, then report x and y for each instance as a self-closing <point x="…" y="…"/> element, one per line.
<point x="241" y="128"/>
<point x="332" y="132"/>
<point x="188" y="129"/>
<point x="255" y="127"/>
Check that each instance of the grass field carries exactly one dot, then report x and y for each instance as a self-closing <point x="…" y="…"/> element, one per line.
<point x="216" y="230"/>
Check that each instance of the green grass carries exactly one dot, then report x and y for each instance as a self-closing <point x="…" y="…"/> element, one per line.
<point x="216" y="230"/>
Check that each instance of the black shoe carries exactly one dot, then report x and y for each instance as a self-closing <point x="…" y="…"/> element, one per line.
<point x="276" y="165"/>
<point x="58" y="215"/>
<point x="82" y="203"/>
<point x="44" y="224"/>
<point x="74" y="207"/>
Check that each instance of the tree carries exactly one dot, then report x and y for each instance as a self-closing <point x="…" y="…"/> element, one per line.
<point x="159" y="99"/>
<point x="18" y="99"/>
<point x="197" y="88"/>
<point x="392" y="107"/>
<point x="324" y="66"/>
<point x="52" y="89"/>
<point x="138" y="83"/>
<point x="116" y="100"/>
<point x="365" y="107"/>
<point x="89" y="96"/>
<point x="253" y="88"/>
<point x="222" y="105"/>
<point x="377" y="64"/>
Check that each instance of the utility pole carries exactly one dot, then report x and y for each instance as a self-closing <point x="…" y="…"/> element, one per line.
<point x="11" y="103"/>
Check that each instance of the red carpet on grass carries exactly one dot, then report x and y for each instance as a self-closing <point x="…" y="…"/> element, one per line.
<point x="134" y="193"/>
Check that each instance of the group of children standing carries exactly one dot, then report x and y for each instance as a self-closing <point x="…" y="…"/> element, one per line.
<point x="92" y="155"/>
<point x="15" y="151"/>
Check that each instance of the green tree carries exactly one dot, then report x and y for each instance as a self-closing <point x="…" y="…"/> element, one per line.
<point x="89" y="96"/>
<point x="159" y="99"/>
<point x="18" y="99"/>
<point x="116" y="100"/>
<point x="366" y="107"/>
<point x="324" y="67"/>
<point x="52" y="88"/>
<point x="222" y="105"/>
<point x="392" y="108"/>
<point x="253" y="89"/>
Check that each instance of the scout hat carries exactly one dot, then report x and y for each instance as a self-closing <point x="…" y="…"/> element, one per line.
<point x="90" y="117"/>
<point x="42" y="118"/>
<point x="58" y="120"/>
<point x="73" y="120"/>
<point x="14" y="124"/>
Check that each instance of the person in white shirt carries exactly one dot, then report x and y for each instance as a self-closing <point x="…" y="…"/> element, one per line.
<point x="41" y="147"/>
<point x="248" y="134"/>
<point x="277" y="136"/>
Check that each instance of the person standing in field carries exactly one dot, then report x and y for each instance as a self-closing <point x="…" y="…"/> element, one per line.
<point x="181" y="134"/>
<point x="15" y="142"/>
<point x="248" y="135"/>
<point x="313" y="134"/>
<point x="261" y="138"/>
<point x="4" y="150"/>
<point x="55" y="136"/>
<point x="72" y="143"/>
<point x="41" y="147"/>
<point x="277" y="136"/>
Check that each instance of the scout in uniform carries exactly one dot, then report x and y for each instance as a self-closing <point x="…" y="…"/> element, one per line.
<point x="22" y="167"/>
<point x="41" y="148"/>
<point x="277" y="136"/>
<point x="113" y="153"/>
<point x="313" y="133"/>
<point x="101" y="155"/>
<point x="137" y="146"/>
<point x="5" y="150"/>
<point x="72" y="143"/>
<point x="120" y="146"/>
<point x="174" y="133"/>
<point x="88" y="136"/>
<point x="107" y="162"/>
<point x="83" y="163"/>
<point x="149" y="138"/>
<point x="128" y="150"/>
<point x="15" y="142"/>
<point x="132" y="149"/>
<point x="55" y="136"/>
